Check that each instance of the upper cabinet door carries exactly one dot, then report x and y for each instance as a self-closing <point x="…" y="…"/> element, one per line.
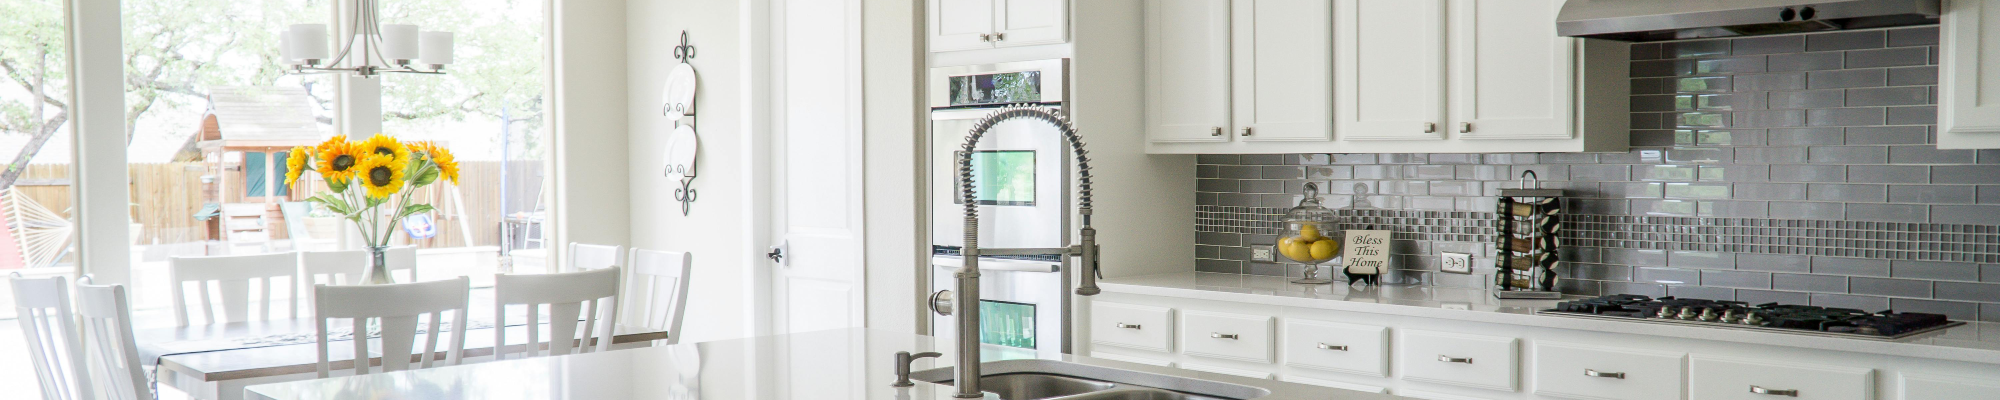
<point x="1512" y="77"/>
<point x="1969" y="76"/>
<point x="1389" y="69"/>
<point x="1030" y="22"/>
<point x="961" y="24"/>
<point x="1187" y="71"/>
<point x="1282" y="56"/>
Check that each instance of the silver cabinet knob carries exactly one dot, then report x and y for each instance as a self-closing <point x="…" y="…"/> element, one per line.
<point x="1126" y="325"/>
<point x="1430" y="127"/>
<point x="1595" y="374"/>
<point x="1215" y="131"/>
<point x="1229" y="336"/>
<point x="1774" y="392"/>
<point x="1324" y="346"/>
<point x="997" y="36"/>
<point x="1465" y="127"/>
<point x="1246" y="131"/>
<point x="985" y="37"/>
<point x="1450" y="359"/>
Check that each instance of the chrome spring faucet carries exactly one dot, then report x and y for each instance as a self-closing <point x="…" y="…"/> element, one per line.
<point x="965" y="297"/>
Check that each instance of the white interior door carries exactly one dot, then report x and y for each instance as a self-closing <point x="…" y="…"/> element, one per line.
<point x="815" y="204"/>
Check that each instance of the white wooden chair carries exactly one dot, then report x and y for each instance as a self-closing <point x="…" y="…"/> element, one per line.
<point x="399" y="308"/>
<point x="232" y="276"/>
<point x="665" y="276"/>
<point x="246" y="230"/>
<point x="46" y="320"/>
<point x="110" y="351"/>
<point x="566" y="294"/>
<point x="583" y="257"/>
<point x="296" y="213"/>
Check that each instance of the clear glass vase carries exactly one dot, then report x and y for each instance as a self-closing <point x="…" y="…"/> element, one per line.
<point x="1312" y="236"/>
<point x="378" y="267"/>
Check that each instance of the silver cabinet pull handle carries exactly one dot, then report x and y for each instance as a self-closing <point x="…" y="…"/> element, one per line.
<point x="1430" y="127"/>
<point x="1324" y="346"/>
<point x="1127" y="326"/>
<point x="1246" y="131"/>
<point x="1465" y="127"/>
<point x="1774" y="392"/>
<point x="1594" y="374"/>
<point x="1230" y="336"/>
<point x="1216" y="131"/>
<point x="1450" y="359"/>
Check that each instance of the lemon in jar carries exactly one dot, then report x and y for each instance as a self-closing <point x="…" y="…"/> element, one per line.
<point x="1309" y="232"/>
<point x="1298" y="250"/>
<point x="1324" y="249"/>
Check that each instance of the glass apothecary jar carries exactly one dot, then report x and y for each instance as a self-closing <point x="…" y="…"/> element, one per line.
<point x="1312" y="236"/>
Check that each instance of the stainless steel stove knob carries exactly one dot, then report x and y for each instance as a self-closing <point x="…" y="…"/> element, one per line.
<point x="1689" y="314"/>
<point x="1668" y="311"/>
<point x="1750" y="318"/>
<point x="1731" y="316"/>
<point x="1708" y="315"/>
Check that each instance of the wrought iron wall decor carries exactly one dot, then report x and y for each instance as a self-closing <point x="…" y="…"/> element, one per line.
<point x="677" y="104"/>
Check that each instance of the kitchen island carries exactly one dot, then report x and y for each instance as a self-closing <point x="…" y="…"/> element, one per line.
<point x="836" y="364"/>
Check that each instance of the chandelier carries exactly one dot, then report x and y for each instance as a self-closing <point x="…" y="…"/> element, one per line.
<point x="374" y="48"/>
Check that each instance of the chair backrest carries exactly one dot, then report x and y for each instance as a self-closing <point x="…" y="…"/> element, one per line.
<point x="295" y="213"/>
<point x="583" y="257"/>
<point x="402" y="258"/>
<point x="110" y="352"/>
<point x="663" y="302"/>
<point x="398" y="308"/>
<point x="245" y="227"/>
<point x="566" y="294"/>
<point x="232" y="276"/>
<point x="346" y="267"/>
<point x="46" y="322"/>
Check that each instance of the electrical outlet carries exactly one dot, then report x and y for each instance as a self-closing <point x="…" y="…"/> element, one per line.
<point x="1457" y="263"/>
<point x="1263" y="252"/>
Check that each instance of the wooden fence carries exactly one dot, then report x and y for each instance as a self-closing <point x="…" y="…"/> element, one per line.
<point x="165" y="197"/>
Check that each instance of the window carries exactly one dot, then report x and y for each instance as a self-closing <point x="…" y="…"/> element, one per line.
<point x="35" y="140"/>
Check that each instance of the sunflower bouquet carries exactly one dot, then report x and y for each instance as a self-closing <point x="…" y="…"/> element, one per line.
<point x="363" y="176"/>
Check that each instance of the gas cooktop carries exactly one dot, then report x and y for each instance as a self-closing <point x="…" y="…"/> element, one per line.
<point x="1810" y="320"/>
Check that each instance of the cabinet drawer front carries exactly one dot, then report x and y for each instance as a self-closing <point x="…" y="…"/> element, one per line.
<point x="1596" y="373"/>
<point x="1228" y="336"/>
<point x="1485" y="362"/>
<point x="1132" y="326"/>
<point x="1917" y="387"/>
<point x="1338" y="347"/>
<point x="1719" y="378"/>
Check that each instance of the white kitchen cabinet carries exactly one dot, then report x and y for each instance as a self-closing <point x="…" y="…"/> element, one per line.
<point x="1227" y="336"/>
<point x="1390" y="64"/>
<point x="1575" y="371"/>
<point x="1511" y="80"/>
<point x="1187" y="71"/>
<point x="1234" y="75"/>
<point x="1920" y="386"/>
<point x="1722" y="378"/>
<point x="1485" y="362"/>
<point x="1337" y="347"/>
<point x="985" y="24"/>
<point x="1132" y="326"/>
<point x="1969" y="76"/>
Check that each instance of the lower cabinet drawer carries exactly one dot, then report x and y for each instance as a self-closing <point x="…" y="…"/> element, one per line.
<point x="1596" y="373"/>
<point x="1486" y="362"/>
<point x="1132" y="326"/>
<point x="1227" y="336"/>
<point x="1919" y="387"/>
<point x="1337" y="347"/>
<point x="1721" y="378"/>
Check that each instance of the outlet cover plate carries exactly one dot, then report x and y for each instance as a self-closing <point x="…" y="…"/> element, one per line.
<point x="1457" y="263"/>
<point x="1263" y="252"/>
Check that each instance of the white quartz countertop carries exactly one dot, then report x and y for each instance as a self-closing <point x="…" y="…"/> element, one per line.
<point x="836" y="364"/>
<point x="1977" y="342"/>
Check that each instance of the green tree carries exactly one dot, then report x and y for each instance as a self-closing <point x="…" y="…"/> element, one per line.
<point x="32" y="55"/>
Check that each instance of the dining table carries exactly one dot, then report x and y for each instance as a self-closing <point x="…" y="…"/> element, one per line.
<point x="216" y="361"/>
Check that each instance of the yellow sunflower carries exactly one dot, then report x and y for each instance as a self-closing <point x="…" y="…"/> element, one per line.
<point x="382" y="175"/>
<point x="295" y="164"/>
<point x="381" y="144"/>
<point x="338" y="159"/>
<point x="446" y="163"/>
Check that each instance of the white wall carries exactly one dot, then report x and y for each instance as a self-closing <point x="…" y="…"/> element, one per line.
<point x="894" y="140"/>
<point x="1144" y="204"/>
<point x="716" y="226"/>
<point x="589" y="86"/>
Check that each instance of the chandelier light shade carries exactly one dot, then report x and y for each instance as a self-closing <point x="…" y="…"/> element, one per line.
<point x="374" y="49"/>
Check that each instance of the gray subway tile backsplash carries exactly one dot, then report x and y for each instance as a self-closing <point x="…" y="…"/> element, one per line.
<point x="1794" y="169"/>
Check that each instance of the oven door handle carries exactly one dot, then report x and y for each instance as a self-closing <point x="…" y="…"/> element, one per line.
<point x="995" y="264"/>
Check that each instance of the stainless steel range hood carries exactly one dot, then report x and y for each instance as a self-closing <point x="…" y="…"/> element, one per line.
<point x="1655" y="20"/>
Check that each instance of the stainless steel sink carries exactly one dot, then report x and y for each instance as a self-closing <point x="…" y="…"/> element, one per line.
<point x="1057" y="380"/>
